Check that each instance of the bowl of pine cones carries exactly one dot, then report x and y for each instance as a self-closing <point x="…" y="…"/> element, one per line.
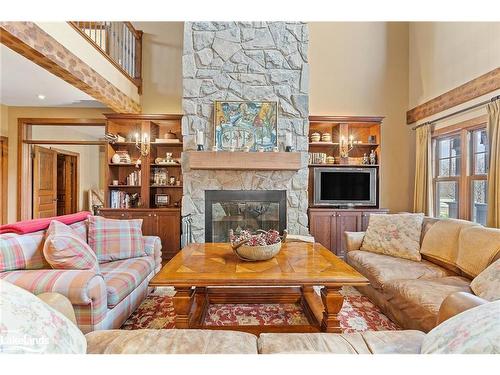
<point x="262" y="245"/>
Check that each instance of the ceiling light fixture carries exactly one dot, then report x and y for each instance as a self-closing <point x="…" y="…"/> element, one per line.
<point x="41" y="96"/>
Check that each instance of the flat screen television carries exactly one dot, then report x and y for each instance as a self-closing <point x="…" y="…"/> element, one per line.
<point x="345" y="186"/>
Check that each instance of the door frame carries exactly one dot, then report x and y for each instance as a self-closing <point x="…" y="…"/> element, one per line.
<point x="4" y="151"/>
<point x="76" y="180"/>
<point x="24" y="142"/>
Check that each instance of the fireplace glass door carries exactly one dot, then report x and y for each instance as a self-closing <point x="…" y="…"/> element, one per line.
<point x="243" y="210"/>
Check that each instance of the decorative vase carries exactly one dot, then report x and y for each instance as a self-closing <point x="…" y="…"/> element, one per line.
<point x="115" y="159"/>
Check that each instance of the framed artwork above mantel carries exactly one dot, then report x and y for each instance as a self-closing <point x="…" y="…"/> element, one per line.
<point x="245" y="125"/>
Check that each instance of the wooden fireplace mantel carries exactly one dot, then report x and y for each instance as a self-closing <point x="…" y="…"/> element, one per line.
<point x="256" y="161"/>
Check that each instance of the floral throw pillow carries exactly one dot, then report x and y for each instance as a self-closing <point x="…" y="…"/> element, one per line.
<point x="28" y="325"/>
<point x="116" y="239"/>
<point x="64" y="248"/>
<point x="487" y="284"/>
<point x="397" y="235"/>
<point x="475" y="331"/>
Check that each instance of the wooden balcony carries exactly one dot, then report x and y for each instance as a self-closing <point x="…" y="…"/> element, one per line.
<point x="119" y="42"/>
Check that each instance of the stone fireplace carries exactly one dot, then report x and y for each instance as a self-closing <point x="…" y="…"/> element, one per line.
<point x="237" y="210"/>
<point x="261" y="61"/>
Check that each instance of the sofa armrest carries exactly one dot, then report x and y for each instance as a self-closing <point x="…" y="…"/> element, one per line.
<point x="353" y="240"/>
<point x="152" y="246"/>
<point x="59" y="303"/>
<point x="81" y="287"/>
<point x="456" y="303"/>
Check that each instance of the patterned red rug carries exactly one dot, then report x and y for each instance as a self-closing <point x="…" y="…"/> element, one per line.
<point x="357" y="315"/>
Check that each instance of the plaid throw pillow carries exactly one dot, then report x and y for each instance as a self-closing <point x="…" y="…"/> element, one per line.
<point x="116" y="239"/>
<point x="65" y="249"/>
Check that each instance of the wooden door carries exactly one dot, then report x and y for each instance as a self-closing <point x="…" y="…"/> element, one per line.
<point x="67" y="181"/>
<point x="44" y="182"/>
<point x="347" y="221"/>
<point x="169" y="231"/>
<point x="320" y="225"/>
<point x="3" y="179"/>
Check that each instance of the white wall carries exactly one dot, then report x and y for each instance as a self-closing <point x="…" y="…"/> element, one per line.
<point x="444" y="55"/>
<point x="361" y="68"/>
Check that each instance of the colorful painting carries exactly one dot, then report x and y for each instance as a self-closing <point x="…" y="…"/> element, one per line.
<point x="249" y="124"/>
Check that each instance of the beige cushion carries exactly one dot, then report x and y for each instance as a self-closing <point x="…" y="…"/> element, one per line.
<point x="475" y="331"/>
<point x="487" y="284"/>
<point x="380" y="269"/>
<point x="28" y="325"/>
<point x="441" y="240"/>
<point x="477" y="248"/>
<point x="397" y="235"/>
<point x="381" y="342"/>
<point x="171" y="341"/>
<point x="420" y="300"/>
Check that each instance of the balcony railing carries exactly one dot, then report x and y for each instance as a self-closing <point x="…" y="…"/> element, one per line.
<point x="119" y="42"/>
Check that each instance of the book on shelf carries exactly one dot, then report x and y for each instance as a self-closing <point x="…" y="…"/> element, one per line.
<point x="134" y="179"/>
<point x="122" y="199"/>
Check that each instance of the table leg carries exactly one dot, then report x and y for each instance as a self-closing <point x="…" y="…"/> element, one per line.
<point x="182" y="306"/>
<point x="332" y="302"/>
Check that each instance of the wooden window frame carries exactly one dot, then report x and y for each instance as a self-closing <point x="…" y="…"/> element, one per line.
<point x="467" y="164"/>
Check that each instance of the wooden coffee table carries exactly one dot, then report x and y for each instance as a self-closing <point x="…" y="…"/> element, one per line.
<point x="203" y="274"/>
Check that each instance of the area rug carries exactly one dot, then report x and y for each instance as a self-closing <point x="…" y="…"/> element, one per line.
<point x="358" y="314"/>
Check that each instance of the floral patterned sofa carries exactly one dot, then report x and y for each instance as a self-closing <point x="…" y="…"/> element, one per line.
<point x="101" y="300"/>
<point x="411" y="292"/>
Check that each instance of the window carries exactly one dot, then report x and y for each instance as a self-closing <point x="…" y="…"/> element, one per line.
<point x="460" y="159"/>
<point x="479" y="169"/>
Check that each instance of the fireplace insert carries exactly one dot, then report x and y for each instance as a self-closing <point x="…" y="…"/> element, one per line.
<point x="243" y="209"/>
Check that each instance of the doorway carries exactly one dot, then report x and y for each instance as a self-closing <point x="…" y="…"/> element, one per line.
<point x="3" y="179"/>
<point x="39" y="196"/>
<point x="67" y="182"/>
<point x="55" y="182"/>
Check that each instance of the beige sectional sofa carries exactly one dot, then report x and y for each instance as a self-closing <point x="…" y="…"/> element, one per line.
<point x="192" y="341"/>
<point x="411" y="292"/>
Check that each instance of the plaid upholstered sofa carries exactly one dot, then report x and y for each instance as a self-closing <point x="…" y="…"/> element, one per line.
<point x="101" y="301"/>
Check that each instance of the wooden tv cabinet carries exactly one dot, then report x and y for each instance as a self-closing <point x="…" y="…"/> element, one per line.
<point x="327" y="225"/>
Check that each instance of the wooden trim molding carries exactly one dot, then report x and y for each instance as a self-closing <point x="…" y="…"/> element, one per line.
<point x="475" y="122"/>
<point x="29" y="40"/>
<point x="473" y="89"/>
<point x="145" y="117"/>
<point x="24" y="170"/>
<point x="374" y="119"/>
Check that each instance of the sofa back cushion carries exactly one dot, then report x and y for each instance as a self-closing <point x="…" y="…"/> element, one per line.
<point x="116" y="239"/>
<point x="64" y="248"/>
<point x="397" y="235"/>
<point x="487" y="284"/>
<point x="475" y="331"/>
<point x="81" y="228"/>
<point x="440" y="243"/>
<point x="20" y="252"/>
<point x="477" y="248"/>
<point x="30" y="326"/>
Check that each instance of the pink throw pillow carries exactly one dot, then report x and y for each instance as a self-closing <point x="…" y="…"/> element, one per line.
<point x="65" y="249"/>
<point x="116" y="239"/>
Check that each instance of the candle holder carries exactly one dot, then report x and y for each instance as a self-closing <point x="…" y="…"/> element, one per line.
<point x="346" y="146"/>
<point x="199" y="140"/>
